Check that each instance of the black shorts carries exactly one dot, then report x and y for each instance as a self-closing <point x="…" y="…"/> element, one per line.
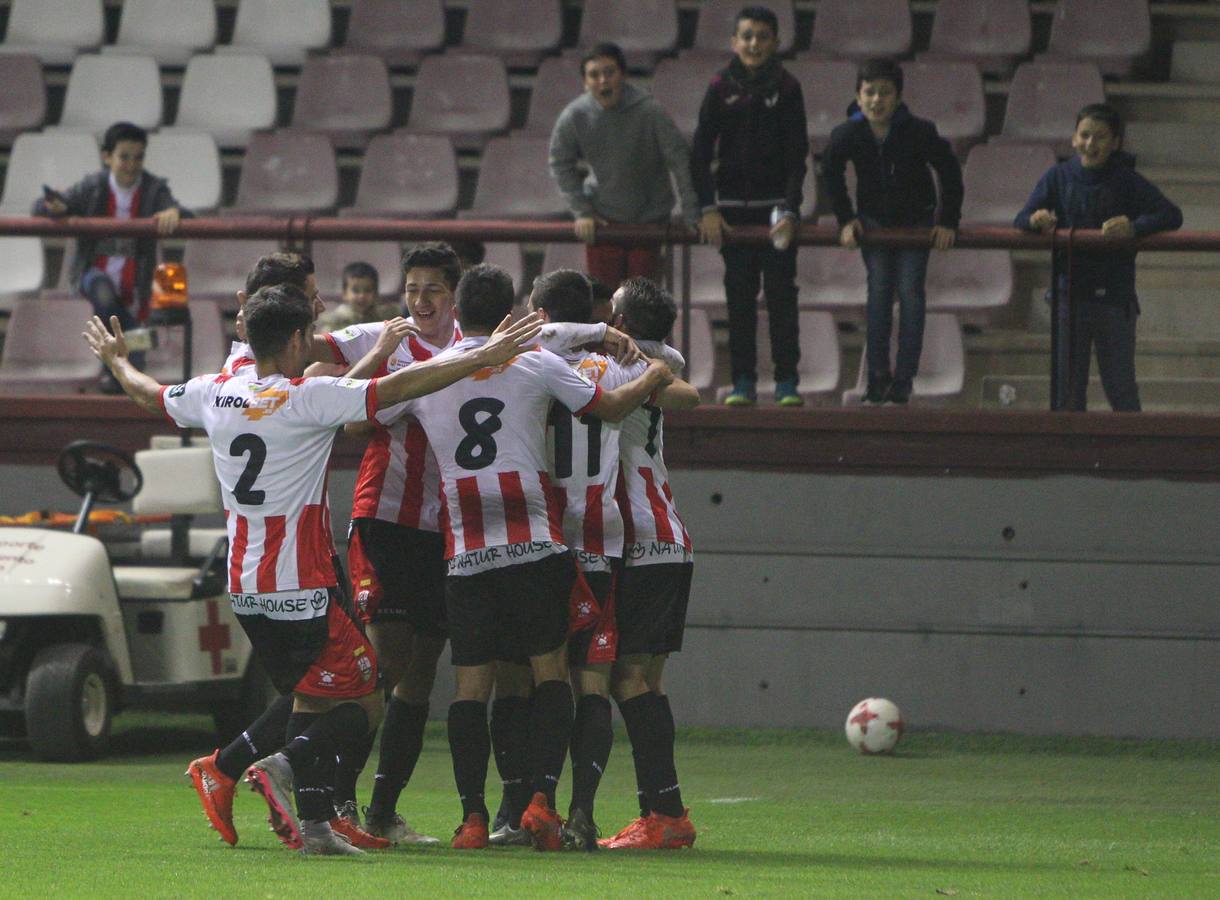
<point x="597" y="642"/>
<point x="398" y="574"/>
<point x="651" y="608"/>
<point x="509" y="614"/>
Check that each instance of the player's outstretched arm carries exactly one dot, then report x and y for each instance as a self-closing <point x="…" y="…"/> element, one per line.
<point x="111" y="349"/>
<point x="320" y="352"/>
<point x="614" y="405"/>
<point x="392" y="334"/>
<point x="417" y="379"/>
<point x="678" y="395"/>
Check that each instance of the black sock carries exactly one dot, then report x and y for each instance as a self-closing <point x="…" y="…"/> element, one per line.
<point x="402" y="740"/>
<point x="671" y="795"/>
<point x="353" y="754"/>
<point x="263" y="737"/>
<point x="470" y="746"/>
<point x="641" y="795"/>
<point x="592" y="738"/>
<point x="312" y="797"/>
<point x="651" y="737"/>
<point x="510" y="724"/>
<point x="312" y="735"/>
<point x="550" y="731"/>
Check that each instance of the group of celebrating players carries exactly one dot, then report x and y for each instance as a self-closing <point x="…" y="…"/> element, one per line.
<point x="513" y="499"/>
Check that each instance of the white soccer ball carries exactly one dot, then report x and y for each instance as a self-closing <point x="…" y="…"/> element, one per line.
<point x="874" y="726"/>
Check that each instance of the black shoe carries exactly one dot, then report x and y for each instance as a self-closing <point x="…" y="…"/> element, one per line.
<point x="878" y="389"/>
<point x="900" y="392"/>
<point x="579" y="832"/>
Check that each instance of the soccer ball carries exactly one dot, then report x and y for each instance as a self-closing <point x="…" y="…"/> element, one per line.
<point x="874" y="726"/>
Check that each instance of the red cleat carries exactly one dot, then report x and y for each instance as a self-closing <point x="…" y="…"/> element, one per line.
<point x="657" y="832"/>
<point x="543" y="824"/>
<point x="215" y="790"/>
<point x="357" y="836"/>
<point x="632" y="827"/>
<point x="471" y="834"/>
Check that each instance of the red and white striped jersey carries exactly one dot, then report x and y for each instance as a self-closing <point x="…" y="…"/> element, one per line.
<point x="489" y="435"/>
<point x="240" y="356"/>
<point x="271" y="439"/>
<point x="654" y="532"/>
<point x="584" y="454"/>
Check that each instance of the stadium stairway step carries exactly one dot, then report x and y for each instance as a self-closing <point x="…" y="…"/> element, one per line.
<point x="1032" y="392"/>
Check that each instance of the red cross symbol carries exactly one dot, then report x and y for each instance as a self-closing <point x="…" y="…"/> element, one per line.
<point x="862" y="718"/>
<point x="214" y="636"/>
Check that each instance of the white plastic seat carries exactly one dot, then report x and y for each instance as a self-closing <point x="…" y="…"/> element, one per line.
<point x="820" y="361"/>
<point x="515" y="181"/>
<point x="463" y="95"/>
<point x="970" y="283"/>
<point x="643" y="29"/>
<point x="156" y="543"/>
<point x="507" y="256"/>
<point x="329" y="258"/>
<point x="942" y="363"/>
<point x="679" y="85"/>
<point x="407" y="175"/>
<point x="208" y="345"/>
<point x="191" y="162"/>
<point x="286" y="172"/>
<point x="230" y="97"/>
<point x="55" y="31"/>
<point x="564" y="256"/>
<point x="718" y="19"/>
<point x="43" y="350"/>
<point x="347" y="97"/>
<point x="701" y="360"/>
<point x="57" y="159"/>
<point x="92" y="103"/>
<point x="22" y="269"/>
<point x="707" y="280"/>
<point x="170" y="31"/>
<point x="281" y="30"/>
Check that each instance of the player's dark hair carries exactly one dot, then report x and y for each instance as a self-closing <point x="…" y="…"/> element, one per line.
<point x="279" y="268"/>
<point x="601" y="290"/>
<point x="878" y="70"/>
<point x="470" y="253"/>
<point x="272" y="315"/>
<point x="565" y="295"/>
<point x="757" y="14"/>
<point x="484" y="297"/>
<point x="597" y="51"/>
<point x="361" y="270"/>
<point x="1104" y="113"/>
<point x="434" y="255"/>
<point x="123" y="131"/>
<point x="648" y="310"/>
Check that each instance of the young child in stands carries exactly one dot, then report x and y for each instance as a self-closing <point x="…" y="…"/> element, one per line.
<point x="1099" y="188"/>
<point x="360" y="300"/>
<point x="114" y="273"/>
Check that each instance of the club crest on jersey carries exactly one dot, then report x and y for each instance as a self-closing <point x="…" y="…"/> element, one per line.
<point x="593" y="369"/>
<point x="264" y="403"/>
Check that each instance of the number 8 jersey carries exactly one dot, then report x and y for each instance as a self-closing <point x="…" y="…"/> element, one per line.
<point x="271" y="439"/>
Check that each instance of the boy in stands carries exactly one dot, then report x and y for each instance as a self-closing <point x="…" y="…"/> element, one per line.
<point x="361" y="302"/>
<point x="271" y="432"/>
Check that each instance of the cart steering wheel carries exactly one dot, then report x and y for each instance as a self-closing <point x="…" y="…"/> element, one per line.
<point x="90" y="467"/>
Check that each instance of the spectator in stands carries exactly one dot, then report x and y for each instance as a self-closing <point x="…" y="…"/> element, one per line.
<point x="892" y="150"/>
<point x="116" y="273"/>
<point x="752" y="126"/>
<point x="1099" y="188"/>
<point x="360" y="300"/>
<point x="631" y="147"/>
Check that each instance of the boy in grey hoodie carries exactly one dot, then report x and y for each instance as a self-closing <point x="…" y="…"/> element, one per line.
<point x="631" y="147"/>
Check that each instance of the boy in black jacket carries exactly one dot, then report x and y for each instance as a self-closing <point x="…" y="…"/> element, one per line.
<point x="1099" y="188"/>
<point x="753" y="123"/>
<point x="892" y="150"/>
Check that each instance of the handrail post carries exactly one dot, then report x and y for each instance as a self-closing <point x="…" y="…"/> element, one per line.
<point x="1058" y="330"/>
<point x="686" y="305"/>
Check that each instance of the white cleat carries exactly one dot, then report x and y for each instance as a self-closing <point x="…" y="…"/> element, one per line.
<point x="271" y="778"/>
<point x="396" y="831"/>
<point x="507" y="836"/>
<point x="319" y="839"/>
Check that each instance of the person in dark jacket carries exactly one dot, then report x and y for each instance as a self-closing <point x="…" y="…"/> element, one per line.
<point x="116" y="274"/>
<point x="752" y="124"/>
<point x="892" y="152"/>
<point x="1099" y="188"/>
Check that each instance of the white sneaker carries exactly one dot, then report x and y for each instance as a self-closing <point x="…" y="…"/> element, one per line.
<point x="271" y="778"/>
<point x="319" y="839"/>
<point x="507" y="836"/>
<point x="396" y="831"/>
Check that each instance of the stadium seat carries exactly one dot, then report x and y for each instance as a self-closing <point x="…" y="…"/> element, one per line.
<point x="407" y="176"/>
<point x="22" y="269"/>
<point x="216" y="270"/>
<point x="970" y="283"/>
<point x="557" y="84"/>
<point x="23" y="102"/>
<point x="828" y="87"/>
<point x="718" y="19"/>
<point x="1043" y="100"/>
<point x="706" y="280"/>
<point x="170" y="31"/>
<point x="942" y="364"/>
<point x="399" y="31"/>
<point x="951" y="95"/>
<point x="329" y="258"/>
<point x="57" y="159"/>
<point x="191" y="162"/>
<point x="518" y="31"/>
<point x="346" y="97"/>
<point x="1196" y="62"/>
<point x="229" y="97"/>
<point x="701" y="360"/>
<point x="820" y="360"/>
<point x="208" y="345"/>
<point x="679" y="85"/>
<point x="463" y="95"/>
<point x="54" y="30"/>
<point x="1110" y="33"/>
<point x="507" y="256"/>
<point x="993" y="34"/>
<point x="288" y="172"/>
<point x="564" y="256"/>
<point x="999" y="178"/>
<point x="93" y="104"/>
<point x="43" y="356"/>
<point x="832" y="279"/>
<point x="644" y="29"/>
<point x="281" y="30"/>
<point x="862" y="29"/>
<point x="515" y="182"/>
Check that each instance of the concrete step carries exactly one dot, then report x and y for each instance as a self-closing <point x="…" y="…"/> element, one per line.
<point x="1196" y="62"/>
<point x="1174" y="143"/>
<point x="1032" y="392"/>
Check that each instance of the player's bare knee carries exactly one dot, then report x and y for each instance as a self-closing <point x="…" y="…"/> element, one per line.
<point x="474" y="683"/>
<point x="629" y="678"/>
<point x="591" y="681"/>
<point x="656" y="669"/>
<point x="513" y="680"/>
<point x="551" y="666"/>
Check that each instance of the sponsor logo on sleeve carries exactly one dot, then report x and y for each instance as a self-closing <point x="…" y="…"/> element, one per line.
<point x="176" y="391"/>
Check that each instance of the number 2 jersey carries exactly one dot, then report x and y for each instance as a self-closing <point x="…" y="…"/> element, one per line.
<point x="271" y="439"/>
<point x="654" y="532"/>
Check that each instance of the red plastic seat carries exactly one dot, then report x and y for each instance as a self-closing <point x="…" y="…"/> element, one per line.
<point x="1110" y="33"/>
<point x="23" y="102"/>
<point x="518" y="31"/>
<point x="22" y="269"/>
<point x="329" y="258"/>
<point x="564" y="256"/>
<point x="463" y="95"/>
<point x="170" y="31"/>
<point x="644" y="29"/>
<point x="998" y="179"/>
<point x="346" y="97"/>
<point x="399" y="31"/>
<point x="701" y="360"/>
<point x="288" y="172"/>
<point x="828" y="87"/>
<point x="718" y="19"/>
<point x="43" y="350"/>
<point x="993" y="34"/>
<point x="942" y="364"/>
<point x="216" y="270"/>
<point x="862" y="29"/>
<point x="407" y="175"/>
<point x="951" y="95"/>
<point x="820" y="360"/>
<point x="970" y="283"/>
<point x="679" y="85"/>
<point x="1043" y="100"/>
<point x="507" y="256"/>
<point x="515" y="181"/>
<point x="557" y="84"/>
<point x="832" y="279"/>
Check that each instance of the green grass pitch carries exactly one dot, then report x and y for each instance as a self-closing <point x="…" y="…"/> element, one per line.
<point x="791" y="814"/>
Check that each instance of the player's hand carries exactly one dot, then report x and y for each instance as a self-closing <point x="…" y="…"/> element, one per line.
<point x="660" y="372"/>
<point x="510" y="338"/>
<point x="625" y="350"/>
<point x="586" y="229"/>
<point x="713" y="228"/>
<point x="395" y="332"/>
<point x="55" y="207"/>
<point x="105" y="345"/>
<point x="167" y="220"/>
<point x="782" y="232"/>
<point x="943" y="238"/>
<point x="1118" y="227"/>
<point x="850" y="235"/>
<point x="1043" y="220"/>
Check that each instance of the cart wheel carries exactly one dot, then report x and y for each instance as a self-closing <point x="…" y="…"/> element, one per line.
<point x="69" y="702"/>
